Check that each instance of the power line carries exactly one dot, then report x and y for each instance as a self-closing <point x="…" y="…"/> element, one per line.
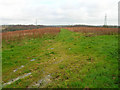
<point x="109" y="10"/>
<point x="112" y="6"/>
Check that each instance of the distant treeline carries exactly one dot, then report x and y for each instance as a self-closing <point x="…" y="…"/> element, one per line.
<point x="107" y="26"/>
<point x="6" y="28"/>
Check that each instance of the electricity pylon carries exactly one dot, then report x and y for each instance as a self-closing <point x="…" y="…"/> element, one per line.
<point x="105" y="21"/>
<point x="36" y="22"/>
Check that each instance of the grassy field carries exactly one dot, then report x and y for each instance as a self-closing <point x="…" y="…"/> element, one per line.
<point x="69" y="59"/>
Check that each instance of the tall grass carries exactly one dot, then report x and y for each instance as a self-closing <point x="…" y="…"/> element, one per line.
<point x="94" y="30"/>
<point x="34" y="33"/>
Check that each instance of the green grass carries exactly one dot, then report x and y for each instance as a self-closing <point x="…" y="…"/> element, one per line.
<point x="72" y="59"/>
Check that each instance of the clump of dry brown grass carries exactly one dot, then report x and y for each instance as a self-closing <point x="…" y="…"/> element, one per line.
<point x="34" y="33"/>
<point x="94" y="30"/>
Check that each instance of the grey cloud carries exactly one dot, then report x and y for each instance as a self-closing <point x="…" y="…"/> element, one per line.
<point x="57" y="12"/>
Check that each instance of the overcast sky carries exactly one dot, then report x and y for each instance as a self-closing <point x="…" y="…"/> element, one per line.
<point x="57" y="12"/>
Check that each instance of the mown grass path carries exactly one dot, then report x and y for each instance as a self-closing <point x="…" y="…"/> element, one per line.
<point x="67" y="60"/>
